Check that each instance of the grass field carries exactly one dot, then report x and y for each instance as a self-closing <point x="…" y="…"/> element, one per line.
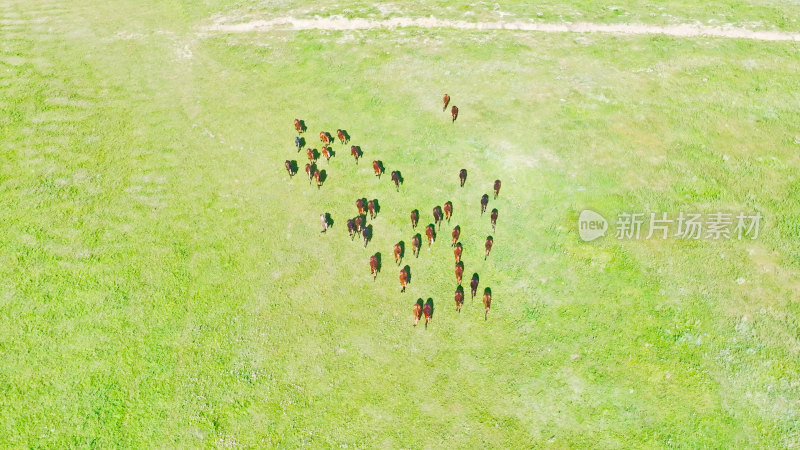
<point x="164" y="284"/>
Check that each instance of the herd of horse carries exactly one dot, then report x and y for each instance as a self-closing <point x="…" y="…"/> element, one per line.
<point x="358" y="224"/>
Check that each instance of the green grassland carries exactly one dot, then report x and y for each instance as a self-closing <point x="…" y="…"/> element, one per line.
<point x="164" y="283"/>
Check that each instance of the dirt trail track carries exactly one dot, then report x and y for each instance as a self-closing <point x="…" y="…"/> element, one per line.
<point x="341" y="23"/>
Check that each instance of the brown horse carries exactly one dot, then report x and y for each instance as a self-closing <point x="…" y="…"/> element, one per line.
<point x="324" y="137"/>
<point x="310" y="171"/>
<point x="487" y="302"/>
<point x="415" y="243"/>
<point x="454" y="112"/>
<point x="459" y="297"/>
<point x="488" y="246"/>
<point x="414" y="218"/>
<point x="289" y="168"/>
<point x="398" y="253"/>
<point x="473" y="285"/>
<point x="456" y="234"/>
<point x="342" y="138"/>
<point x="445" y="102"/>
<point x="494" y="218"/>
<point x="298" y="125"/>
<point x="417" y="311"/>
<point x="377" y="166"/>
<point x="371" y="209"/>
<point x="356" y="152"/>
<point x="403" y="279"/>
<point x="428" y="311"/>
<point x="457" y="252"/>
<point x="374" y="266"/>
<point x="462" y="175"/>
<point x="327" y="153"/>
<point x="459" y="271"/>
<point x="430" y="232"/>
<point x="312" y="155"/>
<point x="396" y="180"/>
<point x="359" y="223"/>
<point x="496" y="188"/>
<point x="437" y="215"/>
<point x="484" y="202"/>
<point x="448" y="211"/>
<point x="318" y="178"/>
<point x="360" y="205"/>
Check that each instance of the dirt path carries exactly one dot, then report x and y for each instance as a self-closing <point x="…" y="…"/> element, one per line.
<point x="341" y="23"/>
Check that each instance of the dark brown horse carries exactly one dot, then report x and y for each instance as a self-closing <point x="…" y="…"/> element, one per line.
<point x="396" y="180"/>
<point x="494" y="218"/>
<point x="473" y="285"/>
<point x="415" y="243"/>
<point x="488" y="246"/>
<point x="496" y="188"/>
<point x="454" y="112"/>
<point x="356" y="152"/>
<point x="456" y="234"/>
<point x="414" y="218"/>
<point x="428" y="311"/>
<point x="462" y="175"/>
<point x="484" y="202"/>
<point x="437" y="215"/>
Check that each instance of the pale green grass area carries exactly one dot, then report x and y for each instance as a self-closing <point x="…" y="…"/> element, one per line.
<point x="163" y="283"/>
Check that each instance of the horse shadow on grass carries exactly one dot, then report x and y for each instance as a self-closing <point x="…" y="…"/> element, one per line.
<point x="367" y="234"/>
<point x="293" y="166"/>
<point x="402" y="245"/>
